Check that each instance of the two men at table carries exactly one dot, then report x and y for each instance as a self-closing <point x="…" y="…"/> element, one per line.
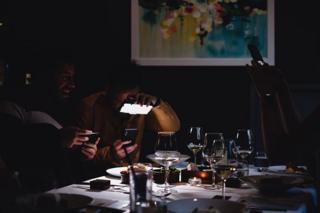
<point x="54" y="85"/>
<point x="100" y="112"/>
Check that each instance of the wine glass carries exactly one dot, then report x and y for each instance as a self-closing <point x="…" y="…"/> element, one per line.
<point x="195" y="141"/>
<point x="224" y="171"/>
<point x="166" y="154"/>
<point x="214" y="150"/>
<point x="244" y="145"/>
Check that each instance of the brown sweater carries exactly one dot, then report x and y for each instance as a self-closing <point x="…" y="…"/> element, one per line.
<point x="96" y="113"/>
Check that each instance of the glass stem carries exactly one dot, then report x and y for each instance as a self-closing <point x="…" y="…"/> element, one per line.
<point x="213" y="175"/>
<point x="166" y="176"/>
<point x="195" y="157"/>
<point x="223" y="189"/>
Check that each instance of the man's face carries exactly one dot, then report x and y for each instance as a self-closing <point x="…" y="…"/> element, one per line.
<point x="64" y="81"/>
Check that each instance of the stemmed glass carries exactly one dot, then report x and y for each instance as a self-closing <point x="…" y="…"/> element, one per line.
<point x="244" y="145"/>
<point x="195" y="141"/>
<point x="214" y="150"/>
<point x="224" y="172"/>
<point x="166" y="154"/>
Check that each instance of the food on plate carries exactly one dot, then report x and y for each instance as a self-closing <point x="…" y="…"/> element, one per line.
<point x="290" y="168"/>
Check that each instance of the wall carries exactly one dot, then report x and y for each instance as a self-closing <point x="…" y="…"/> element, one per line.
<point x="222" y="99"/>
<point x="98" y="34"/>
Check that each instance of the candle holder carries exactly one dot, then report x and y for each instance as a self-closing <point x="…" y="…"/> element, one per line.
<point x="194" y="181"/>
<point x="205" y="176"/>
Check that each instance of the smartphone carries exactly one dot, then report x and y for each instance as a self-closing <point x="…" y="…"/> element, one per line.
<point x="93" y="137"/>
<point x="130" y="134"/>
<point x="134" y="109"/>
<point x="255" y="54"/>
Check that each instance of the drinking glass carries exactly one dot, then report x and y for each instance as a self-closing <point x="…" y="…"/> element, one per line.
<point x="166" y="154"/>
<point x="261" y="160"/>
<point x="224" y="172"/>
<point x="214" y="150"/>
<point x="141" y="178"/>
<point x="195" y="141"/>
<point x="244" y="145"/>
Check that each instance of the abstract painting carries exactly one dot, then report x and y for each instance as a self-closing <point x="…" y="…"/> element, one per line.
<point x="201" y="32"/>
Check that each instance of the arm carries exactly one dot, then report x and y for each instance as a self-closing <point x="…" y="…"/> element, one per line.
<point x="84" y="115"/>
<point x="274" y="136"/>
<point x="114" y="155"/>
<point x="163" y="118"/>
<point x="289" y="116"/>
<point x="279" y="119"/>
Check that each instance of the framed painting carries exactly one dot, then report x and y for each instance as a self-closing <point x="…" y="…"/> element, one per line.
<point x="201" y="32"/>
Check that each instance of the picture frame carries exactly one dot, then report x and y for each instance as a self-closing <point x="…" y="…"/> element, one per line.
<point x="201" y="32"/>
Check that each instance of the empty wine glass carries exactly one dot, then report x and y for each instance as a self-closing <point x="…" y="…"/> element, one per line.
<point x="244" y="146"/>
<point x="166" y="154"/>
<point x="213" y="151"/>
<point x="195" y="141"/>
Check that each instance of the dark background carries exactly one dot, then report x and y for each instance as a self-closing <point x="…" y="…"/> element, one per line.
<point x="97" y="35"/>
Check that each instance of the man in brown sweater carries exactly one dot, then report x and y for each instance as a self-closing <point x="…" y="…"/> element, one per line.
<point x="100" y="112"/>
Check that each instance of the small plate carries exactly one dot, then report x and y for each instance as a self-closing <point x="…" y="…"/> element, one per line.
<point x="205" y="205"/>
<point x="278" y="168"/>
<point x="273" y="184"/>
<point x="116" y="171"/>
<point x="282" y="170"/>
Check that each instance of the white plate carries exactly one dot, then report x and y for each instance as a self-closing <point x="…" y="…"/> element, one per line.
<point x="116" y="171"/>
<point x="278" y="168"/>
<point x="282" y="170"/>
<point x="204" y="205"/>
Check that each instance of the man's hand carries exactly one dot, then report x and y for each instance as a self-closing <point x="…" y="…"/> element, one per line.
<point x="143" y="98"/>
<point x="118" y="148"/>
<point x="89" y="150"/>
<point x="74" y="136"/>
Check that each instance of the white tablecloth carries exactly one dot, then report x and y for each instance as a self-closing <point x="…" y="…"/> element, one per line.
<point x="118" y="195"/>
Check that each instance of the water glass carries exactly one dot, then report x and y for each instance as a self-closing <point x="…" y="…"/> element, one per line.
<point x="141" y="178"/>
<point x="261" y="160"/>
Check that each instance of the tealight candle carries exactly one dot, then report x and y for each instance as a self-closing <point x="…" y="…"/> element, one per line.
<point x="194" y="181"/>
<point x="203" y="174"/>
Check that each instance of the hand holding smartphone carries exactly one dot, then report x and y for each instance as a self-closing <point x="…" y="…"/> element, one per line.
<point x="130" y="134"/>
<point x="93" y="137"/>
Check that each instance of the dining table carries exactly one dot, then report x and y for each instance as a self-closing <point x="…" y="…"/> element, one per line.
<point x="297" y="199"/>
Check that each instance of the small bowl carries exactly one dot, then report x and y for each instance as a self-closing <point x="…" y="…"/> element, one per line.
<point x="158" y="176"/>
